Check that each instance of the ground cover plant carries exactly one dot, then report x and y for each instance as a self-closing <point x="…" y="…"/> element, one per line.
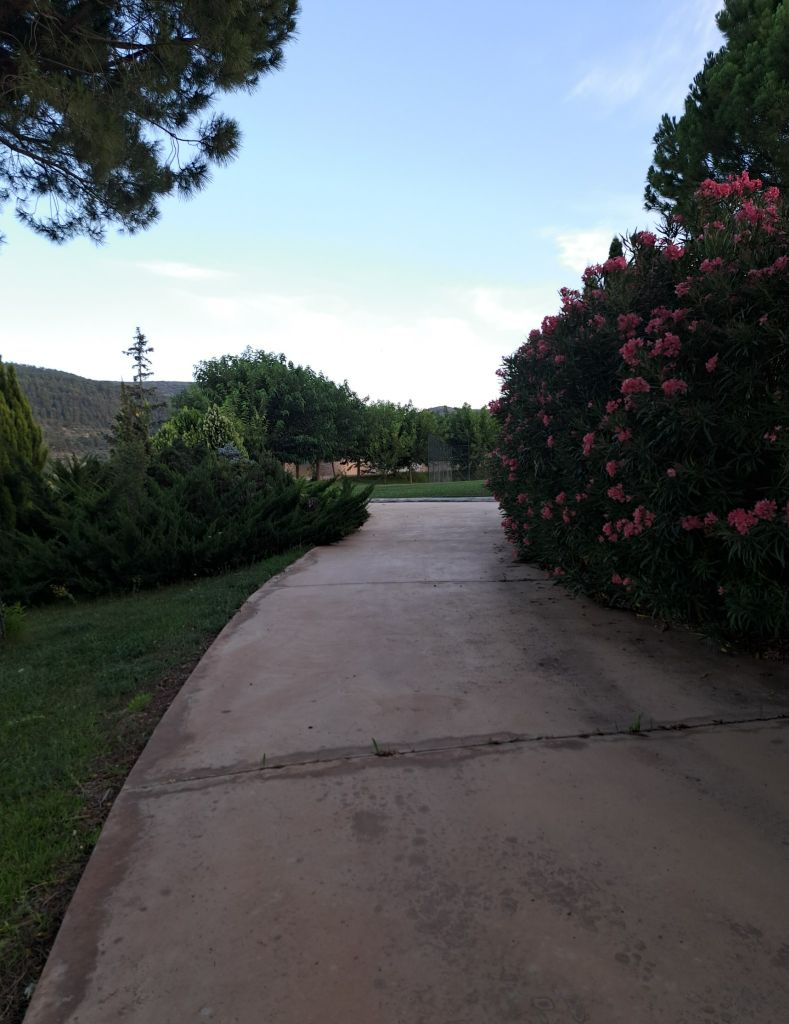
<point x="82" y="684"/>
<point x="644" y="456"/>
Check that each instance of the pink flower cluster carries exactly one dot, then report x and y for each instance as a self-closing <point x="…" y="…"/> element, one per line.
<point x="709" y="266"/>
<point x="674" y="387"/>
<point x="627" y="324"/>
<point x="634" y="386"/>
<point x="621" y="582"/>
<point x="669" y="346"/>
<point x="617" y="493"/>
<point x="743" y="521"/>
<point x="737" y="185"/>
<point x="642" y="520"/>
<point x="629" y="351"/>
<point x="673" y="252"/>
<point x="697" y="523"/>
<point x="588" y="443"/>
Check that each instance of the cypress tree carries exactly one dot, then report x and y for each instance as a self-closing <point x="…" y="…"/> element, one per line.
<point x="22" y="450"/>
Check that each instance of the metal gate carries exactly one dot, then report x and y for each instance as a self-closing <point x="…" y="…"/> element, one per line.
<point x="447" y="461"/>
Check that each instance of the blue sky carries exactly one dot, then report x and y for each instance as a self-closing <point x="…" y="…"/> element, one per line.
<point x="413" y="188"/>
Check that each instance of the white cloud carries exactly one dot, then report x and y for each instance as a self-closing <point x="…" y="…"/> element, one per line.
<point x="183" y="271"/>
<point x="661" y="67"/>
<point x="613" y="88"/>
<point x="446" y="350"/>
<point x="578" y="249"/>
<point x="502" y="310"/>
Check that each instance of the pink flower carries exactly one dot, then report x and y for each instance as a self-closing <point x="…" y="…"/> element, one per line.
<point x="561" y="498"/>
<point x="709" y="266"/>
<point x="612" y="405"/>
<point x="711" y="363"/>
<point x="692" y="523"/>
<point x="765" y="509"/>
<point x="634" y="385"/>
<point x="612" y="467"/>
<point x="617" y="263"/>
<point x="549" y="443"/>
<point x="629" y="351"/>
<point x="741" y="520"/>
<point x="673" y="252"/>
<point x="683" y="288"/>
<point x="588" y="443"/>
<point x="624" y="434"/>
<point x="645" y="239"/>
<point x="627" y="324"/>
<point x="669" y="346"/>
<point x="710" y="519"/>
<point x="547" y="512"/>
<point x="523" y="498"/>
<point x="674" y="387"/>
<point x="671" y="472"/>
<point x="643" y="518"/>
<point x="559" y="360"/>
<point x="616" y="578"/>
<point x="617" y="493"/>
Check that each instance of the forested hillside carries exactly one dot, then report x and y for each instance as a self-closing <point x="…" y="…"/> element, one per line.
<point x="76" y="413"/>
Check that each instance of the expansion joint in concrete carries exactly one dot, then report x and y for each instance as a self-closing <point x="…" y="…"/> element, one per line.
<point x="327" y="760"/>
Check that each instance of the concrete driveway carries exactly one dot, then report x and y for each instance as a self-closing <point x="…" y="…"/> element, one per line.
<point x="400" y="789"/>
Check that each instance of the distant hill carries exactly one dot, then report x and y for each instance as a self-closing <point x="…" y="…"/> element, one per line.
<point x="76" y="413"/>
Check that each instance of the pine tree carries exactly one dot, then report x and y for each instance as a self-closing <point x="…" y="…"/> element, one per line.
<point x="102" y="107"/>
<point x="736" y="114"/>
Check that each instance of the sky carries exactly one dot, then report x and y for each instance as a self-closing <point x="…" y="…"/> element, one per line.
<point x="414" y="186"/>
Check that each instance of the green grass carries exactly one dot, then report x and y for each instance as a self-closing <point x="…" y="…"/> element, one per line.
<point x="453" y="489"/>
<point x="81" y="686"/>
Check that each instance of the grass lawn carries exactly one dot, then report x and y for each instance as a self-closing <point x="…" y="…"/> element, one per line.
<point x="81" y="689"/>
<point x="453" y="489"/>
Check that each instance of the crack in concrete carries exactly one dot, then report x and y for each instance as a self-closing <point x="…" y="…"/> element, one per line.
<point x="331" y="757"/>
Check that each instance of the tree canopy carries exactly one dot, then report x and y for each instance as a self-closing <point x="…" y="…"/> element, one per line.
<point x="104" y="103"/>
<point x="736" y="115"/>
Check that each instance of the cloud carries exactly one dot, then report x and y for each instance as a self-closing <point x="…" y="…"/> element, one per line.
<point x="613" y="89"/>
<point x="183" y="271"/>
<point x="502" y="310"/>
<point x="445" y="350"/>
<point x="578" y="249"/>
<point x="661" y="67"/>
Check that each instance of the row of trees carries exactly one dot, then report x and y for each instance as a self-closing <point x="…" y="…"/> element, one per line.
<point x="258" y="402"/>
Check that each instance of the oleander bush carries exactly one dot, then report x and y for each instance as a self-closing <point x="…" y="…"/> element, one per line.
<point x="644" y="453"/>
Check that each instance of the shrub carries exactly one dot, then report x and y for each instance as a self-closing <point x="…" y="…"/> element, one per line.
<point x="645" y="428"/>
<point x="183" y="512"/>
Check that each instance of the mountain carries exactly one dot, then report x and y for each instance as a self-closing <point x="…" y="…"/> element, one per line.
<point x="76" y="413"/>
